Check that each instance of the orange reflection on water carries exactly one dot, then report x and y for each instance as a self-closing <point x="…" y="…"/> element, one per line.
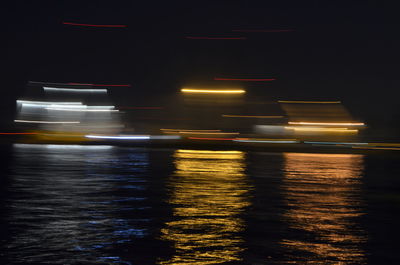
<point x="209" y="191"/>
<point x="322" y="192"/>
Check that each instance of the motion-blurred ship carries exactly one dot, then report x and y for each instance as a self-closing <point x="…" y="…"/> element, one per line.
<point x="66" y="112"/>
<point x="314" y="121"/>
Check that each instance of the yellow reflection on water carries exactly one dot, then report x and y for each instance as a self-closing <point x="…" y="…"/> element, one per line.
<point x="209" y="191"/>
<point x="322" y="192"/>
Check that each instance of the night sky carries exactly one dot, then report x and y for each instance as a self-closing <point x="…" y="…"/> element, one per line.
<point x="337" y="50"/>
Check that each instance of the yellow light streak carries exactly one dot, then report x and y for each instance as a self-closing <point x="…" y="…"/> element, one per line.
<point x="318" y="129"/>
<point x="309" y="102"/>
<point x="176" y="130"/>
<point x="208" y="152"/>
<point x="327" y="123"/>
<point x="213" y="91"/>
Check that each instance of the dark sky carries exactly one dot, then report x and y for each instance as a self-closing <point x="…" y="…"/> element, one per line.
<point x="338" y="50"/>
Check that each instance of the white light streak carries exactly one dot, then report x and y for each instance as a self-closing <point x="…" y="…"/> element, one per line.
<point x="75" y="90"/>
<point x="48" y="122"/>
<point x="119" y="137"/>
<point x="82" y="109"/>
<point x="46" y="103"/>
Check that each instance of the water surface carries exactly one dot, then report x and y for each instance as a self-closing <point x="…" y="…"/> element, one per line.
<point x="110" y="205"/>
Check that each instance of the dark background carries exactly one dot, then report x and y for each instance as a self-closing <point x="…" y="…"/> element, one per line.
<point x="338" y="50"/>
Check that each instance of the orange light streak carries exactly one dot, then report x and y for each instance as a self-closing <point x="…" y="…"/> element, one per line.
<point x="249" y="116"/>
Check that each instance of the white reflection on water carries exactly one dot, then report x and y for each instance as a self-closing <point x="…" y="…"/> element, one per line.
<point x="322" y="192"/>
<point x="75" y="204"/>
<point x="209" y="191"/>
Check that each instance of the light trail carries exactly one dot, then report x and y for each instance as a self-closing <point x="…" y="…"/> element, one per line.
<point x="213" y="91"/>
<point x="47" y="103"/>
<point x="328" y="123"/>
<point x="119" y="137"/>
<point x="245" y="79"/>
<point x="94" y="25"/>
<point x="16" y="133"/>
<point x="100" y="85"/>
<point x="222" y="139"/>
<point x="216" y="38"/>
<point x="319" y="129"/>
<point x="250" y="116"/>
<point x="208" y="151"/>
<point x="309" y="102"/>
<point x="262" y="30"/>
<point x="83" y="90"/>
<point x="268" y="141"/>
<point x="190" y="130"/>
<point x="48" y="122"/>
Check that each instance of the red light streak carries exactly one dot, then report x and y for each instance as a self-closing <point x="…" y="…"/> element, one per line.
<point x="216" y="38"/>
<point x="3" y="133"/>
<point x="245" y="79"/>
<point x="201" y="138"/>
<point x="262" y="30"/>
<point x="94" y="25"/>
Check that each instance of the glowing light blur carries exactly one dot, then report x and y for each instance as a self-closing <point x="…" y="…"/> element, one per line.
<point x="213" y="91"/>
